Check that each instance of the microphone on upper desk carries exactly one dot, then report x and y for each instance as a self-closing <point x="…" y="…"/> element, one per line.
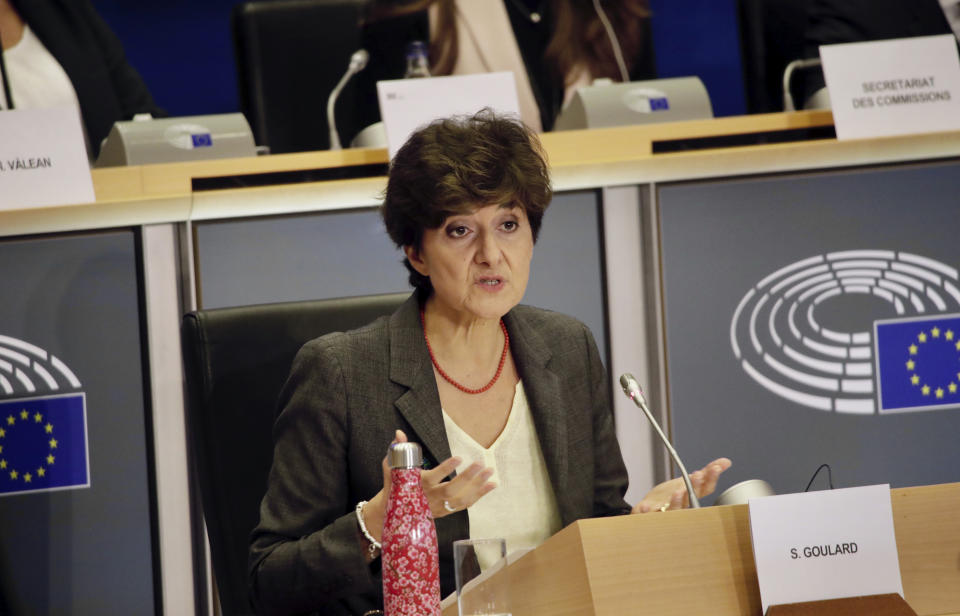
<point x="358" y="61"/>
<point x="632" y="389"/>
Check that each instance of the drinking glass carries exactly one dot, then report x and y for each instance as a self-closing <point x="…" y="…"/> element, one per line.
<point x="483" y="586"/>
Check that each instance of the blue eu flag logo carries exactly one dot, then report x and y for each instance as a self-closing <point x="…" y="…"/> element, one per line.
<point x="43" y="444"/>
<point x="918" y="363"/>
<point x="201" y="140"/>
<point x="659" y="104"/>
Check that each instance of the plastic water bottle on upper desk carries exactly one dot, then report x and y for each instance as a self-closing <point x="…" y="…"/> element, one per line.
<point x="418" y="64"/>
<point x="411" y="566"/>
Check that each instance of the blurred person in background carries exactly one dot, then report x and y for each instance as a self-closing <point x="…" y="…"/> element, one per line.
<point x="61" y="53"/>
<point x="552" y="46"/>
<point x="854" y="21"/>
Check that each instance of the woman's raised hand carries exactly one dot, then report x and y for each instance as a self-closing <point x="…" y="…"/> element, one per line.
<point x="444" y="497"/>
<point x="672" y="494"/>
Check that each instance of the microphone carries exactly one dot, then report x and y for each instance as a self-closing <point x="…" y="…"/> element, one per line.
<point x="7" y="97"/>
<point x="358" y="61"/>
<point x="614" y="43"/>
<point x="788" y="104"/>
<point x="632" y="389"/>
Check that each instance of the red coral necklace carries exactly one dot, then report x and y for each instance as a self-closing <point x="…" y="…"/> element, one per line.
<point x="446" y="377"/>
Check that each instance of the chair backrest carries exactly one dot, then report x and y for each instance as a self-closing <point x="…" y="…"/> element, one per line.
<point x="290" y="54"/>
<point x="236" y="361"/>
<point x="771" y="36"/>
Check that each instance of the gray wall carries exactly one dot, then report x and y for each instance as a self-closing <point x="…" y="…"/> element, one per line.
<point x="719" y="240"/>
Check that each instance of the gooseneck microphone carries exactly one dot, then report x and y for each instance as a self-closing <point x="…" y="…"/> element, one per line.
<point x="614" y="42"/>
<point x="8" y="98"/>
<point x="632" y="389"/>
<point x="358" y="61"/>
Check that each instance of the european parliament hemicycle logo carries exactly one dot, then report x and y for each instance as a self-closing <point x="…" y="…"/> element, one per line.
<point x="43" y="427"/>
<point x="901" y="354"/>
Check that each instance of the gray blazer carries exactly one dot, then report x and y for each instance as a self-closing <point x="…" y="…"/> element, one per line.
<point x="348" y="392"/>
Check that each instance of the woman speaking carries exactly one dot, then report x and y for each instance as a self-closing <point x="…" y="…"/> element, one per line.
<point x="510" y="403"/>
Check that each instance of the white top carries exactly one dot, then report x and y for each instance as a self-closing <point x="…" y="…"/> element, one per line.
<point x="522" y="508"/>
<point x="36" y="78"/>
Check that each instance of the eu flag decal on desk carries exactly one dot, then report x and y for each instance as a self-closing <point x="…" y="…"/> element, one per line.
<point x="918" y="363"/>
<point x="43" y="444"/>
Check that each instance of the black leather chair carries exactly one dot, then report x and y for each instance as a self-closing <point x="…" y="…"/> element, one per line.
<point x="236" y="361"/>
<point x="771" y="36"/>
<point x="290" y="54"/>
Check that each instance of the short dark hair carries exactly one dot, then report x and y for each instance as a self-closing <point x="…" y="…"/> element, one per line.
<point x="452" y="166"/>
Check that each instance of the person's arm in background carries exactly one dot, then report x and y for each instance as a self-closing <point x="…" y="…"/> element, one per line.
<point x="108" y="89"/>
<point x="128" y="86"/>
<point x="645" y="64"/>
<point x="829" y="21"/>
<point x="854" y="21"/>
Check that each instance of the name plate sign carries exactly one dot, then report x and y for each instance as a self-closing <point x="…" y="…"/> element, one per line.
<point x="43" y="159"/>
<point x="407" y="104"/>
<point x="825" y="545"/>
<point x="894" y="87"/>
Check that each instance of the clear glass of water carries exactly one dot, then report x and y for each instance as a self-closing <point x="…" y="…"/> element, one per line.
<point x="483" y="585"/>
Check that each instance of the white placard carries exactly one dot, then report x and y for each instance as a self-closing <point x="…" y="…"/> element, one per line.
<point x="43" y="159"/>
<point x="895" y="87"/>
<point x="407" y="104"/>
<point x="825" y="545"/>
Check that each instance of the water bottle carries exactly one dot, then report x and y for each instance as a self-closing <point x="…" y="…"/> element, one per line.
<point x="411" y="566"/>
<point x="417" y="63"/>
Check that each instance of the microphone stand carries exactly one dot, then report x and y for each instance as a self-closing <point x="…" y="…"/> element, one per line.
<point x="632" y="389"/>
<point x="6" y="83"/>
<point x="357" y="63"/>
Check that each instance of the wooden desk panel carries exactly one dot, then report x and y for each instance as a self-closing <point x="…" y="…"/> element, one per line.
<point x="579" y="160"/>
<point x="701" y="562"/>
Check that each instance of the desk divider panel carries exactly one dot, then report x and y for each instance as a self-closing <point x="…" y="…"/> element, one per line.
<point x="772" y="285"/>
<point x="70" y="326"/>
<point x="346" y="253"/>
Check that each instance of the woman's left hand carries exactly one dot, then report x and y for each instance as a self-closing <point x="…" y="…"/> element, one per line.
<point x="673" y="494"/>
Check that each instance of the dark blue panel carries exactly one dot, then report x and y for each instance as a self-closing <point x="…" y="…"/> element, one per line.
<point x="700" y="38"/>
<point x="183" y="50"/>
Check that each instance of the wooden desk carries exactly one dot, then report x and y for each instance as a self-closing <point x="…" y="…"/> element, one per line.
<point x="163" y="193"/>
<point x="701" y="562"/>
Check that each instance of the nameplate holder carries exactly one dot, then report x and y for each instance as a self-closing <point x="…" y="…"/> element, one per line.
<point x="408" y="104"/>
<point x="818" y="546"/>
<point x="893" y="87"/>
<point x="43" y="159"/>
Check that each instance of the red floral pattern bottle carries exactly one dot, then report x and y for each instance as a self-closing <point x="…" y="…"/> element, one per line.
<point x="410" y="567"/>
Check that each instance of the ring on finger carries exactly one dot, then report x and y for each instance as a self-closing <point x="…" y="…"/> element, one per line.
<point x="448" y="507"/>
<point x="663" y="507"/>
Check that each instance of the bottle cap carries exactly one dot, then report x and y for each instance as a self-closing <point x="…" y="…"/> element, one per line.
<point x="416" y="49"/>
<point x="404" y="455"/>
